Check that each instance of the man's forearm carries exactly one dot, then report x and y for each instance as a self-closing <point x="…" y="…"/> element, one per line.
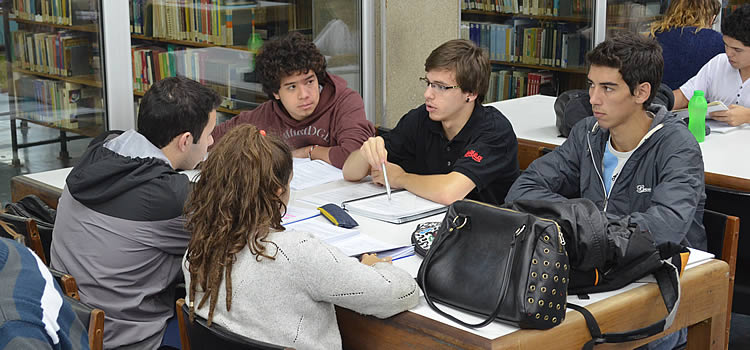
<point x="444" y="189"/>
<point x="355" y="167"/>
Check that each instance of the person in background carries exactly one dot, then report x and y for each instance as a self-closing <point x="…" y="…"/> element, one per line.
<point x="635" y="160"/>
<point x="119" y="229"/>
<point x="312" y="110"/>
<point x="33" y="311"/>
<point x="245" y="272"/>
<point x="726" y="77"/>
<point x="686" y="38"/>
<point x="451" y="147"/>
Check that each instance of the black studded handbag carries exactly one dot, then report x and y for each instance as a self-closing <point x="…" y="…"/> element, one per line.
<point x="498" y="263"/>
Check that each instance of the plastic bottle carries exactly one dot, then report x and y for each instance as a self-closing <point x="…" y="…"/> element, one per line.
<point x="697" y="108"/>
<point x="254" y="42"/>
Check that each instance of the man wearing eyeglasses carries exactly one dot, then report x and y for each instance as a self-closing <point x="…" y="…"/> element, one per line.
<point x="451" y="147"/>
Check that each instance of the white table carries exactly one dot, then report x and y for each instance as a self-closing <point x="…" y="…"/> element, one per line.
<point x="533" y="119"/>
<point x="422" y="327"/>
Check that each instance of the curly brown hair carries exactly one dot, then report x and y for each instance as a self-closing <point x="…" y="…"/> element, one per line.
<point x="235" y="204"/>
<point x="285" y="56"/>
<point x="687" y="13"/>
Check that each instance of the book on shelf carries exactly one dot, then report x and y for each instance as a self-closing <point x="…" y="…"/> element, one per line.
<point x="63" y="53"/>
<point x="48" y="100"/>
<point x="219" y="22"/>
<point x="568" y="8"/>
<point x="512" y="83"/>
<point x="62" y="12"/>
<point x="529" y="42"/>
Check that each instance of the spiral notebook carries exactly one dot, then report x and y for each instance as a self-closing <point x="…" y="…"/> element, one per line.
<point x="403" y="206"/>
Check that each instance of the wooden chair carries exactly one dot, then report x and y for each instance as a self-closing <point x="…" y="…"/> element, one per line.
<point x="27" y="228"/>
<point x="67" y="283"/>
<point x="736" y="203"/>
<point x="723" y="232"/>
<point x="543" y="151"/>
<point x="92" y="319"/>
<point x="199" y="335"/>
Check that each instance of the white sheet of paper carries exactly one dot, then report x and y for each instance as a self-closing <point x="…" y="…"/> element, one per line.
<point x="295" y="214"/>
<point x="313" y="173"/>
<point x="343" y="194"/>
<point x="362" y="243"/>
<point x="323" y="230"/>
<point x="721" y="127"/>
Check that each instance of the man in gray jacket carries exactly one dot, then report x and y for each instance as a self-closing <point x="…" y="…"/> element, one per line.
<point x="120" y="230"/>
<point x="635" y="160"/>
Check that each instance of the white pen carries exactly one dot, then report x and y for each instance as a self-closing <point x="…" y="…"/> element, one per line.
<point x="387" y="185"/>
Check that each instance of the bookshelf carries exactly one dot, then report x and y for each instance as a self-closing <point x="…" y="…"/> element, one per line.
<point x="213" y="42"/>
<point x="54" y="69"/>
<point x="534" y="47"/>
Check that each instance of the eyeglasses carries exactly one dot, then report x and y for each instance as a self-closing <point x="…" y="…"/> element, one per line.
<point x="436" y="86"/>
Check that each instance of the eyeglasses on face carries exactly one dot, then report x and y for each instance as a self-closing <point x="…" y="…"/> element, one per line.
<point x="436" y="86"/>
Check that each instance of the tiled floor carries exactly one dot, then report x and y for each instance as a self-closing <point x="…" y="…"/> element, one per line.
<point x="42" y="158"/>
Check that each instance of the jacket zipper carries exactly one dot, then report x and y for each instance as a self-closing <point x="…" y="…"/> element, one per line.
<point x="601" y="180"/>
<point x="560" y="237"/>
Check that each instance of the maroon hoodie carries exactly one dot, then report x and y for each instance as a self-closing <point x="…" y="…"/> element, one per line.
<point x="338" y="121"/>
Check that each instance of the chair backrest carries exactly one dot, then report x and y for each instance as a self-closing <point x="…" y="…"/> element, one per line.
<point x="735" y="203"/>
<point x="723" y="232"/>
<point x="27" y="228"/>
<point x="199" y="335"/>
<point x="66" y="282"/>
<point x="32" y="207"/>
<point x="93" y="321"/>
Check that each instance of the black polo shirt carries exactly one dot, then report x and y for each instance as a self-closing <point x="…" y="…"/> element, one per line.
<point x="485" y="150"/>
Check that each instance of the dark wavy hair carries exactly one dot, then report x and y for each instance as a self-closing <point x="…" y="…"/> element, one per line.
<point x="736" y="25"/>
<point x="173" y="106"/>
<point x="288" y="55"/>
<point x="637" y="57"/>
<point x="233" y="206"/>
<point x="470" y="63"/>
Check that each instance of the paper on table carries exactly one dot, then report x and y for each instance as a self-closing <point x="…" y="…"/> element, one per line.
<point x="324" y="230"/>
<point x="721" y="127"/>
<point x="343" y="194"/>
<point x="313" y="173"/>
<point x="295" y="214"/>
<point x="363" y="243"/>
<point x="402" y="207"/>
<point x="712" y="107"/>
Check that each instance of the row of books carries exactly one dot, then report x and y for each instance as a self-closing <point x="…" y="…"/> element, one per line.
<point x="219" y="22"/>
<point x="506" y="84"/>
<point x="222" y="70"/>
<point x="54" y="101"/>
<point x="65" y="12"/>
<point x="528" y="41"/>
<point x="63" y="53"/>
<point x="563" y="8"/>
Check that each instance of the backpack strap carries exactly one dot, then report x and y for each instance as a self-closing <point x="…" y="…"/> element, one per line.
<point x="668" y="279"/>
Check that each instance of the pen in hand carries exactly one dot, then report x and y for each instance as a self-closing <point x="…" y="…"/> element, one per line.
<point x="387" y="185"/>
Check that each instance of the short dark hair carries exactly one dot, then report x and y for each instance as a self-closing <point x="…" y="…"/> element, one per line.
<point x="637" y="57"/>
<point x="285" y="56"/>
<point x="470" y="63"/>
<point x="736" y="25"/>
<point x="173" y="106"/>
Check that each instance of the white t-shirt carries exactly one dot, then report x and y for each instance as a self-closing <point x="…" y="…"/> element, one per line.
<point x="720" y="82"/>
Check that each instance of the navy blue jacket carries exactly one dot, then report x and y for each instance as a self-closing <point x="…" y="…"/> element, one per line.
<point x="686" y="51"/>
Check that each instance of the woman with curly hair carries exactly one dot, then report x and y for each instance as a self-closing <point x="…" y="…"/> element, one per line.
<point x="249" y="275"/>
<point x="687" y="40"/>
<point x="314" y="111"/>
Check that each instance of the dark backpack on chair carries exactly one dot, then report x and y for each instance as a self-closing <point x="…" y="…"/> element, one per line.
<point x="573" y="105"/>
<point x="34" y="208"/>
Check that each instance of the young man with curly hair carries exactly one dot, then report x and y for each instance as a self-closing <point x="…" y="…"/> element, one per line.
<point x="726" y="77"/>
<point x="450" y="147"/>
<point x="312" y="110"/>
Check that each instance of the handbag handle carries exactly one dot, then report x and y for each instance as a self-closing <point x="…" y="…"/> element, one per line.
<point x="668" y="279"/>
<point x="435" y="246"/>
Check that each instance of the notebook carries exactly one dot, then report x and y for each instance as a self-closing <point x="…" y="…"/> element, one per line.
<point x="403" y="206"/>
<point x="350" y="241"/>
<point x="712" y="107"/>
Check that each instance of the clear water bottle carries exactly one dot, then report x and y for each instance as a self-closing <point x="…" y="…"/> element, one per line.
<point x="697" y="108"/>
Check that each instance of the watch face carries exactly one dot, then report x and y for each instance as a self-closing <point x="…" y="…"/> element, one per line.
<point x="423" y="236"/>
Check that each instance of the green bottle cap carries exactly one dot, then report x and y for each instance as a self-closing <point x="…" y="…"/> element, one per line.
<point x="698" y="93"/>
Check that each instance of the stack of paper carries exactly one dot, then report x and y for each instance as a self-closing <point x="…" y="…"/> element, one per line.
<point x="295" y="214"/>
<point x="309" y="173"/>
<point x="340" y="195"/>
<point x="349" y="241"/>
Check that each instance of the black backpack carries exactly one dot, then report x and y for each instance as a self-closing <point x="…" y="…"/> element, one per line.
<point x="573" y="105"/>
<point x="34" y="208"/>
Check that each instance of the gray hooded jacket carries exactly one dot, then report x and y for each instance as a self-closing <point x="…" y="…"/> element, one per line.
<point x="660" y="188"/>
